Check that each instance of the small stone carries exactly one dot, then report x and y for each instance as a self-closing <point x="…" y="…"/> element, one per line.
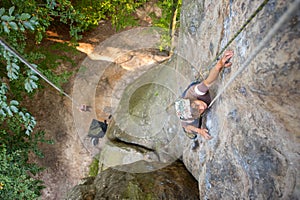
<point x="243" y="91"/>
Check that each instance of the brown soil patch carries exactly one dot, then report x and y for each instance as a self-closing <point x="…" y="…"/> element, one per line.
<point x="66" y="161"/>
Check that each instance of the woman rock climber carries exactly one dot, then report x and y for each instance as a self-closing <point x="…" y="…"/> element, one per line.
<point x="196" y="99"/>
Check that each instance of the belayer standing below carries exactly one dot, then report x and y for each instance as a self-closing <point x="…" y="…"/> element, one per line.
<point x="196" y="99"/>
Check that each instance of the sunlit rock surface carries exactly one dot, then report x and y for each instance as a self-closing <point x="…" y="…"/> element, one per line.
<point x="254" y="153"/>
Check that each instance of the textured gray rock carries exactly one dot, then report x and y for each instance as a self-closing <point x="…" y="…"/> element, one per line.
<point x="254" y="153"/>
<point x="144" y="125"/>
<point x="172" y="182"/>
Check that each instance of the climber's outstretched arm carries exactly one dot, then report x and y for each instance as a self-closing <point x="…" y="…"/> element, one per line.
<point x="214" y="72"/>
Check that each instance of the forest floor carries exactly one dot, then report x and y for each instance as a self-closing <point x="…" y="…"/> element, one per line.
<point x="66" y="161"/>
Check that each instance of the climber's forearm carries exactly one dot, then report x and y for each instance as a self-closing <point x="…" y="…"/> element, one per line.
<point x="213" y="75"/>
<point x="214" y="72"/>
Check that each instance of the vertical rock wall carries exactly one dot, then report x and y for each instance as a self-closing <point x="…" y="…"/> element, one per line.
<point x="254" y="153"/>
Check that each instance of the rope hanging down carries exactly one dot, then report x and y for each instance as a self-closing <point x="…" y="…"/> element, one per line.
<point x="285" y="17"/>
<point x="16" y="54"/>
<point x="236" y="34"/>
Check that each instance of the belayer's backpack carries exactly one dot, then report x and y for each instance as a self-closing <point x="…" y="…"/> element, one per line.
<point x="97" y="130"/>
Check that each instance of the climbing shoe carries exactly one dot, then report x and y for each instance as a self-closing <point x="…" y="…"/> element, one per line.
<point x="195" y="145"/>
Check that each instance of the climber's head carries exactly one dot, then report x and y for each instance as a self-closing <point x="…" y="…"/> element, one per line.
<point x="189" y="109"/>
<point x="197" y="107"/>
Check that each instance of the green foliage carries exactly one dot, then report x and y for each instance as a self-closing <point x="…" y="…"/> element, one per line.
<point x="16" y="22"/>
<point x="14" y="138"/>
<point x="118" y="11"/>
<point x="94" y="167"/>
<point x="165" y="42"/>
<point x="16" y="173"/>
<point x="49" y="60"/>
<point x="43" y="14"/>
<point x="168" y="7"/>
<point x="58" y="80"/>
<point x="16" y="135"/>
<point x="11" y="110"/>
<point x="15" y="181"/>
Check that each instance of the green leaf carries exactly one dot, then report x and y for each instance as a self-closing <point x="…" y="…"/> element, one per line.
<point x="24" y="16"/>
<point x="3" y="88"/>
<point x="14" y="109"/>
<point x="33" y="65"/>
<point x="34" y="21"/>
<point x="33" y="84"/>
<point x="15" y="66"/>
<point x="21" y="27"/>
<point x="21" y="114"/>
<point x="33" y="77"/>
<point x="12" y="71"/>
<point x="6" y="29"/>
<point x="2" y="113"/>
<point x="9" y="111"/>
<point x="14" y="103"/>
<point x="14" y="26"/>
<point x="28" y="25"/>
<point x="27" y="115"/>
<point x="2" y="10"/>
<point x="7" y="18"/>
<point x="11" y="10"/>
<point x="27" y="132"/>
<point x="28" y="87"/>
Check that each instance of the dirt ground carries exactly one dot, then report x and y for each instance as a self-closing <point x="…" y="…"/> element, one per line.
<point x="66" y="161"/>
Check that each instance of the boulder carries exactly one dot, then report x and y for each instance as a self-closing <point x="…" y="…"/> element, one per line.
<point x="172" y="182"/>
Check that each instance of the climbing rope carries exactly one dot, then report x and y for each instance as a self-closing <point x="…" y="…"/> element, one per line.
<point x="16" y="54"/>
<point x="236" y="35"/>
<point x="229" y="42"/>
<point x="285" y="17"/>
<point x="23" y="60"/>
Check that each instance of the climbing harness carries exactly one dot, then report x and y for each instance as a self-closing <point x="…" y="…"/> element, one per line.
<point x="22" y="59"/>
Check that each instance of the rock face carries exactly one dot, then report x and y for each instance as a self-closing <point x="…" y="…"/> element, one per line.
<point x="254" y="153"/>
<point x="172" y="182"/>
